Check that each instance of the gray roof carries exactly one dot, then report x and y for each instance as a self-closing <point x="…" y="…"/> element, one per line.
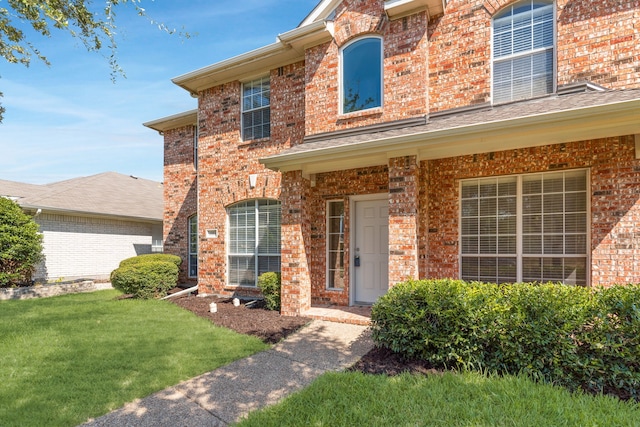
<point x="467" y="117"/>
<point x="108" y="193"/>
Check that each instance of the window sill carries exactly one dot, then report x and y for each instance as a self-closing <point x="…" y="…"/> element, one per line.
<point x="361" y="113"/>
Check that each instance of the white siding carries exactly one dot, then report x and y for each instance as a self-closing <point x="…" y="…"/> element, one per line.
<point x="76" y="246"/>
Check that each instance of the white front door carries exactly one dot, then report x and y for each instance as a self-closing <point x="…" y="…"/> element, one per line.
<point x="371" y="250"/>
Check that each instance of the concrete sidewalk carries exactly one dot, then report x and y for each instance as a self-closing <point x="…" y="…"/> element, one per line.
<point x="224" y="396"/>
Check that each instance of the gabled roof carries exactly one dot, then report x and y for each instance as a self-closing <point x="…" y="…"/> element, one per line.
<point x="543" y="121"/>
<point x="173" y="122"/>
<point x="290" y="46"/>
<point x="105" y="194"/>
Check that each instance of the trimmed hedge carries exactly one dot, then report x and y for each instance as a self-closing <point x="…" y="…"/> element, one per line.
<point x="146" y="280"/>
<point x="573" y="336"/>
<point x="269" y="284"/>
<point x="151" y="257"/>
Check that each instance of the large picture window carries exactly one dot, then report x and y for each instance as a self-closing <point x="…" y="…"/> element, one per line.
<point x="256" y="111"/>
<point x="362" y="75"/>
<point x="254" y="240"/>
<point x="527" y="228"/>
<point x="193" y="246"/>
<point x="523" y="51"/>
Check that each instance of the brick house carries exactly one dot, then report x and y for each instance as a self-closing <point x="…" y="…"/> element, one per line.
<point x="489" y="140"/>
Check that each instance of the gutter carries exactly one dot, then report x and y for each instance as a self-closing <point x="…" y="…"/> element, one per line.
<point x="422" y="140"/>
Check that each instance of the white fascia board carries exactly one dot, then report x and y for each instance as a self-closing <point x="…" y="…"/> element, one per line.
<point x="399" y="8"/>
<point x="174" y="121"/>
<point x="543" y="129"/>
<point x="320" y="12"/>
<point x="289" y="48"/>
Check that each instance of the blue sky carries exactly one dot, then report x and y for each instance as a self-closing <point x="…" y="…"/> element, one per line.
<point x="70" y="120"/>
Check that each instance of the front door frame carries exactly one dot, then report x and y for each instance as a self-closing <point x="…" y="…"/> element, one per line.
<point x="352" y="234"/>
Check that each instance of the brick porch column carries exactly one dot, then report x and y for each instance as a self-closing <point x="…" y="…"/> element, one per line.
<point x="403" y="219"/>
<point x="296" y="235"/>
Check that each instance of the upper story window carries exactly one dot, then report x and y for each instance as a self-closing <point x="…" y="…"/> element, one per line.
<point x="256" y="113"/>
<point x="361" y="75"/>
<point x="523" y="51"/>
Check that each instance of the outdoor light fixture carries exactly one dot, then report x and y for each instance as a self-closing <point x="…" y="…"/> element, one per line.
<point x="253" y="178"/>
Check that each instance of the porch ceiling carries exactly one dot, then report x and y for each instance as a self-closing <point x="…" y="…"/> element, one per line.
<point x="546" y="121"/>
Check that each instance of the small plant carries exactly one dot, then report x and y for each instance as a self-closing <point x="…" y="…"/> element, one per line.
<point x="145" y="280"/>
<point x="20" y="244"/>
<point x="269" y="284"/>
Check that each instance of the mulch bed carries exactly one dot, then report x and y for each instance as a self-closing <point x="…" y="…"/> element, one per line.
<point x="271" y="328"/>
<point x="254" y="320"/>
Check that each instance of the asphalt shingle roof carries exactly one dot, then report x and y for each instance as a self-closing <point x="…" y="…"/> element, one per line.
<point x="108" y="193"/>
<point x="461" y="118"/>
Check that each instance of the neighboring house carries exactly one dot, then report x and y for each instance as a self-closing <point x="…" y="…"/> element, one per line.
<point x="92" y="223"/>
<point x="487" y="140"/>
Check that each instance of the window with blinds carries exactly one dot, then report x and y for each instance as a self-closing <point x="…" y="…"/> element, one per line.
<point x="256" y="111"/>
<point x="528" y="228"/>
<point x="254" y="240"/>
<point x="193" y="246"/>
<point x="523" y="51"/>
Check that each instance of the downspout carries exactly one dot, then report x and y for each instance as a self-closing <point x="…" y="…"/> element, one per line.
<point x="183" y="292"/>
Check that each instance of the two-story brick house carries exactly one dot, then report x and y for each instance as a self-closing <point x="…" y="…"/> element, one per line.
<point x="489" y="140"/>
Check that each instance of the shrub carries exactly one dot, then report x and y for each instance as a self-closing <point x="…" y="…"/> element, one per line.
<point x="269" y="284"/>
<point x="20" y="244"/>
<point x="151" y="279"/>
<point x="151" y="257"/>
<point x="572" y="336"/>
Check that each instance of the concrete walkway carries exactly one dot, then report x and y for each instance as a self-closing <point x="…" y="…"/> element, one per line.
<point x="224" y="396"/>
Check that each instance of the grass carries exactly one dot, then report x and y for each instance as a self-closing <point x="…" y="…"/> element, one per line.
<point x="451" y="399"/>
<point x="67" y="359"/>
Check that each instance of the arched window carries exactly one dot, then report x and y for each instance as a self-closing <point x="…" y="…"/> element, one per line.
<point x="361" y="75"/>
<point x="193" y="246"/>
<point x="523" y="51"/>
<point x="254" y="240"/>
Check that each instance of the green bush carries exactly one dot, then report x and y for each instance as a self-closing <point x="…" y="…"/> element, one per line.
<point x="269" y="284"/>
<point x="20" y="244"/>
<point x="152" y="279"/>
<point x="573" y="336"/>
<point x="151" y="257"/>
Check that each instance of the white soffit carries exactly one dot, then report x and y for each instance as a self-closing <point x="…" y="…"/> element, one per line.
<point x="175" y="121"/>
<point x="399" y="8"/>
<point x="289" y="48"/>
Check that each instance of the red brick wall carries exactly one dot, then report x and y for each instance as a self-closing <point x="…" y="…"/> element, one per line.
<point x="226" y="161"/>
<point x="180" y="190"/>
<point x="337" y="186"/>
<point x="405" y="68"/>
<point x="615" y="202"/>
<point x="596" y="41"/>
<point x="428" y="66"/>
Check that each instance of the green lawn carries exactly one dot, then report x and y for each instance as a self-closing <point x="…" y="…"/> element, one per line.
<point x="69" y="358"/>
<point x="452" y="399"/>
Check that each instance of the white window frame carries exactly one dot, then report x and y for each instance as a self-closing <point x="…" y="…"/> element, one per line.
<point x="190" y="247"/>
<point x="256" y="253"/>
<point x="243" y="111"/>
<point x="329" y="233"/>
<point x="341" y="74"/>
<point x="520" y="255"/>
<point x="195" y="148"/>
<point x="554" y="48"/>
